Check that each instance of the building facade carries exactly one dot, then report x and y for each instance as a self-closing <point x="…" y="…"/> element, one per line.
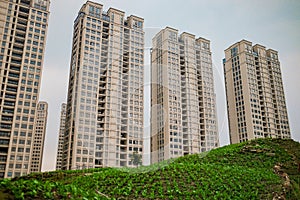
<point x="255" y="97"/>
<point x="62" y="125"/>
<point x="23" y="28"/>
<point x="39" y="136"/>
<point x="104" y="118"/>
<point x="183" y="101"/>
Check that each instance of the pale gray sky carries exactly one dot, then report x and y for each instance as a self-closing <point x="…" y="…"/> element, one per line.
<point x="272" y="23"/>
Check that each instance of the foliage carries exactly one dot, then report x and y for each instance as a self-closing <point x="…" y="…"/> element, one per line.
<point x="136" y="159"/>
<point x="240" y="171"/>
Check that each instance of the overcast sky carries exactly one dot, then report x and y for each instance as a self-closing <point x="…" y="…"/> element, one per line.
<point x="272" y="23"/>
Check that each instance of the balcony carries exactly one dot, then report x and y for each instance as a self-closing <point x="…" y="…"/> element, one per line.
<point x="101" y="120"/>
<point x="125" y="83"/>
<point x="4" y="134"/>
<point x="21" y="22"/>
<point x="3" y="150"/>
<point x="123" y="142"/>
<point x="8" y="111"/>
<point x="21" y="28"/>
<point x="3" y="158"/>
<point x="124" y="128"/>
<point x="102" y="80"/>
<point x="102" y="86"/>
<point x="18" y="49"/>
<point x="123" y="135"/>
<point x="104" y="54"/>
<point x="4" y="141"/>
<point x="103" y="60"/>
<point x="98" y="162"/>
<point x="17" y="55"/>
<point x="124" y="109"/>
<point x="101" y="100"/>
<point x="104" y="46"/>
<point x="11" y="89"/>
<point x="7" y="119"/>
<point x="17" y="62"/>
<point x="104" y="42"/>
<point x="100" y="125"/>
<point x="24" y="10"/>
<point x="123" y="163"/>
<point x="13" y="75"/>
<point x="125" y="69"/>
<point x="125" y="77"/>
<point x="102" y="92"/>
<point x="104" y="35"/>
<point x="10" y="96"/>
<point x="15" y="68"/>
<point x="25" y="2"/>
<point x="101" y="105"/>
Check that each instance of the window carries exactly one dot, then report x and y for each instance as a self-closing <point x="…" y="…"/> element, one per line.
<point x="234" y="51"/>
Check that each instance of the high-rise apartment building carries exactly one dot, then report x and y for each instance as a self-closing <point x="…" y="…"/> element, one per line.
<point x="61" y="136"/>
<point x="104" y="119"/>
<point x="23" y="27"/>
<point x="183" y="101"/>
<point x="254" y="89"/>
<point x="39" y="136"/>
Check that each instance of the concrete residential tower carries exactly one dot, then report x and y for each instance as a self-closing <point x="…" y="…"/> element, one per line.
<point x="61" y="133"/>
<point x="254" y="89"/>
<point x="183" y="101"/>
<point x="23" y="27"/>
<point x="39" y="136"/>
<point x="104" y="119"/>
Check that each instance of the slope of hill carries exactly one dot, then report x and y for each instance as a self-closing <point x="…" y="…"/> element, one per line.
<point x="258" y="169"/>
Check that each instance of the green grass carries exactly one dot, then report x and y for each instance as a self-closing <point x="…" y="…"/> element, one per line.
<point x="240" y="171"/>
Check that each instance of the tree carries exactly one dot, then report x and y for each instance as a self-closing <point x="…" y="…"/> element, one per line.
<point x="136" y="159"/>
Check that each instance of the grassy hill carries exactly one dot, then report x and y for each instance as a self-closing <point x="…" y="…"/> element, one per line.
<point x="259" y="169"/>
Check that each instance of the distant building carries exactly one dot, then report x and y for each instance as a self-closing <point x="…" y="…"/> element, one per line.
<point x="23" y="28"/>
<point x="39" y="136"/>
<point x="183" y="101"/>
<point x="255" y="96"/>
<point x="61" y="136"/>
<point x="104" y="118"/>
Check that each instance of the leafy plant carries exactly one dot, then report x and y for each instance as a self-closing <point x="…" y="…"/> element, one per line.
<point x="136" y="158"/>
